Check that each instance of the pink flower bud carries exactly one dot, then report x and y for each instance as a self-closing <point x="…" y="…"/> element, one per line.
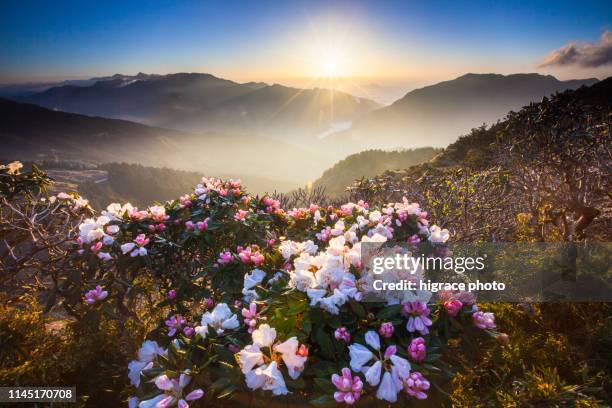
<point x="386" y="330"/>
<point x="417" y="350"/>
<point x="452" y="307"/>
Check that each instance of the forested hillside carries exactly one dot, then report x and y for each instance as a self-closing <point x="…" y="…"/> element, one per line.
<point x="368" y="164"/>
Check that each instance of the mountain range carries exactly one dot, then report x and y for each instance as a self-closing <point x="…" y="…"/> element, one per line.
<point x="202" y="102"/>
<point x="271" y="134"/>
<point x="193" y="102"/>
<point x="435" y="115"/>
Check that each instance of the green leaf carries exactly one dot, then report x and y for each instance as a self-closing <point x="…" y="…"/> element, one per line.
<point x="432" y="357"/>
<point x="357" y="308"/>
<point x="324" y="384"/>
<point x="389" y="311"/>
<point x="325" y="342"/>
<point x="298" y="384"/>
<point x="221" y="383"/>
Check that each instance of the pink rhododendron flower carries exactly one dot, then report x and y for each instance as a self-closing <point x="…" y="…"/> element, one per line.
<point x="402" y="215"/>
<point x="386" y="330"/>
<point x="413" y="240"/>
<point x="202" y="225"/>
<point x="188" y="331"/>
<point x="185" y="201"/>
<point x="349" y="387"/>
<point x="136" y="215"/>
<point x="465" y="297"/>
<point x="225" y="258"/>
<point x="452" y="307"/>
<point x="417" y="349"/>
<point x="171" y="294"/>
<point x="96" y="247"/>
<point x="342" y="334"/>
<point x="241" y="215"/>
<point x="324" y="235"/>
<point x="418" y="320"/>
<point x="141" y="240"/>
<point x="95" y="295"/>
<point x="416" y="385"/>
<point x="250" y="316"/>
<point x="175" y="323"/>
<point x="209" y="303"/>
<point x="189" y="225"/>
<point x="250" y="255"/>
<point x="272" y="205"/>
<point x="257" y="258"/>
<point x="484" y="320"/>
<point x="172" y="392"/>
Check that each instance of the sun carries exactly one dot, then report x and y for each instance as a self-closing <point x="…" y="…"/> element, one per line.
<point x="329" y="68"/>
<point x="331" y="63"/>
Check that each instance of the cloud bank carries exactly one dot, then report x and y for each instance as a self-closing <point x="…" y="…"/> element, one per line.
<point x="589" y="55"/>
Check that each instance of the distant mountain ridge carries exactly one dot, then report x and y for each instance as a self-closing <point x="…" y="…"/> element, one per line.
<point x="202" y="102"/>
<point x="29" y="88"/>
<point x="473" y="149"/>
<point x="436" y="114"/>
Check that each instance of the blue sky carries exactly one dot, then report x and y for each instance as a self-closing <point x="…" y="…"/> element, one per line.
<point x="378" y="41"/>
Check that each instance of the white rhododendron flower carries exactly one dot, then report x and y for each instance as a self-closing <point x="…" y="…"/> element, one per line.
<point x="375" y="216"/>
<point x="261" y="370"/>
<point x="359" y="355"/>
<point x="438" y="235"/>
<point x="220" y="319"/>
<point x="158" y="213"/>
<point x="268" y="378"/>
<point x="394" y="369"/>
<point x="127" y="247"/>
<point x="173" y="392"/>
<point x="146" y="355"/>
<point x="250" y="357"/>
<point x="92" y="230"/>
<point x="264" y="336"/>
<point x="388" y="389"/>
<point x="252" y="279"/>
<point x="288" y="249"/>
<point x="291" y="358"/>
<point x="115" y="211"/>
<point x="326" y="277"/>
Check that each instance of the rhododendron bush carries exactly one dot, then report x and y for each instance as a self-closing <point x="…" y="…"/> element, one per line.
<point x="257" y="298"/>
